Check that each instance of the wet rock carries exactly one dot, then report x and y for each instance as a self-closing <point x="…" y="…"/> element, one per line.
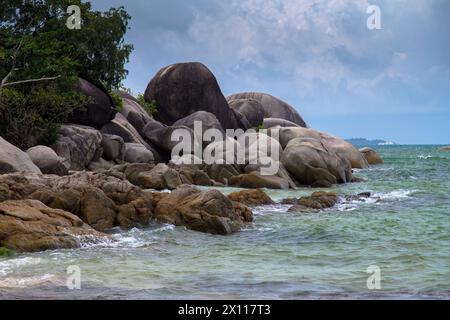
<point x="371" y="156"/>
<point x="96" y="197"/>
<point x="253" y="197"/>
<point x="29" y="225"/>
<point x="316" y="202"/>
<point x="358" y="197"/>
<point x="256" y="180"/>
<point x="209" y="212"/>
<point x="289" y="201"/>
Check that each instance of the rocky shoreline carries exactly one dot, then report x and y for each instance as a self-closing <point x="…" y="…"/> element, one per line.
<point x="99" y="173"/>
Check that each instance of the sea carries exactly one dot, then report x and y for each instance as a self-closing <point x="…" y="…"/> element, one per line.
<point x="393" y="245"/>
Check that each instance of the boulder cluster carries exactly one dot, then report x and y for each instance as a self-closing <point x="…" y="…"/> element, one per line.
<point x="108" y="162"/>
<point x="100" y="136"/>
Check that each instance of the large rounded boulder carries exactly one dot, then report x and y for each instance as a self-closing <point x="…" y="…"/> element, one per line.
<point x="330" y="143"/>
<point x="47" y="160"/>
<point x="251" y="109"/>
<point x="12" y="159"/>
<point x="134" y="112"/>
<point x="371" y="156"/>
<point x="78" y="146"/>
<point x="273" y="107"/>
<point x="185" y="88"/>
<point x="206" y="119"/>
<point x="312" y="163"/>
<point x="99" y="111"/>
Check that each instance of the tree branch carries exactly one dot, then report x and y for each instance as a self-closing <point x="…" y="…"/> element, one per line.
<point x="28" y="81"/>
<point x="14" y="61"/>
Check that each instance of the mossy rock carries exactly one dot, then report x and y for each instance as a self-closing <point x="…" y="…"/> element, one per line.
<point x="5" y="252"/>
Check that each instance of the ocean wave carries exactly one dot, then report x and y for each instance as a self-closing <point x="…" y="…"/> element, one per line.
<point x="134" y="238"/>
<point x="270" y="209"/>
<point x="396" y="195"/>
<point x="10" y="265"/>
<point x="373" y="169"/>
<point x="34" y="281"/>
<point x="376" y="198"/>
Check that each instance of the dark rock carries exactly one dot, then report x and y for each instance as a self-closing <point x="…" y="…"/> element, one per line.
<point x="251" y="109"/>
<point x="185" y="88"/>
<point x="273" y="107"/>
<point x="316" y="202"/>
<point x="97" y="113"/>
<point x="274" y="122"/>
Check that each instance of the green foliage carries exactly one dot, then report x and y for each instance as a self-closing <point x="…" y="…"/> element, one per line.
<point x="260" y="127"/>
<point x="150" y="107"/>
<point x="35" y="43"/>
<point x="117" y="101"/>
<point x="5" y="252"/>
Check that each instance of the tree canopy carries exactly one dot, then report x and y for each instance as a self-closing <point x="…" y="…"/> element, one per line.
<point x="41" y="60"/>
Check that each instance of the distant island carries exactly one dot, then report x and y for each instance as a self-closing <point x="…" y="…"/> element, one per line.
<point x="366" y="142"/>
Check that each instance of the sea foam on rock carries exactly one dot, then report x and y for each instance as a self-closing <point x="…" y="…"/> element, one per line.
<point x="29" y="225"/>
<point x="210" y="211"/>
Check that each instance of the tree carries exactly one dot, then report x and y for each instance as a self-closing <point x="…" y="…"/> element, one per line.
<point x="41" y="60"/>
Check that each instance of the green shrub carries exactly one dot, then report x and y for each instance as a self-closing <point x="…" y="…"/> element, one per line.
<point x="5" y="252"/>
<point x="150" y="107"/>
<point x="260" y="127"/>
<point x="118" y="102"/>
<point x="41" y="60"/>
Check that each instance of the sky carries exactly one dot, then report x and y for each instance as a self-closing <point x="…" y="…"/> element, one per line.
<point x="319" y="56"/>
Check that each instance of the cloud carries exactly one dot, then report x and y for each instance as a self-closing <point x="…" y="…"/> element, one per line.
<point x="316" y="54"/>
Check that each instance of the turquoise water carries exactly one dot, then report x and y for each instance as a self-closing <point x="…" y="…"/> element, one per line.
<point x="404" y="229"/>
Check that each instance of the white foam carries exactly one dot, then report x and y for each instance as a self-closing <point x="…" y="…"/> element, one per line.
<point x="269" y="209"/>
<point x="25" y="282"/>
<point x="11" y="265"/>
<point x="395" y="195"/>
<point x="134" y="238"/>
